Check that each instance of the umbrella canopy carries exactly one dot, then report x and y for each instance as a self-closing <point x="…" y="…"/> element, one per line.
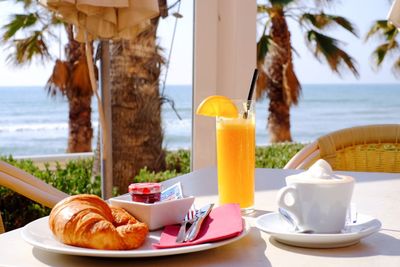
<point x="105" y="19"/>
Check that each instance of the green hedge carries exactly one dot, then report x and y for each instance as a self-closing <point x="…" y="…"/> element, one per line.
<point x="75" y="178"/>
<point x="276" y="156"/>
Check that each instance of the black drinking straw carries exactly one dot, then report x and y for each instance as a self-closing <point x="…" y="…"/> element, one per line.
<point x="251" y="91"/>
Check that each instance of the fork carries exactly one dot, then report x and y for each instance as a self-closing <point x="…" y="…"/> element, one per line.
<point x="190" y="217"/>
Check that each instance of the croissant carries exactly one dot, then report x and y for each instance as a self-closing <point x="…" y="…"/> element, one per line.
<point x="88" y="221"/>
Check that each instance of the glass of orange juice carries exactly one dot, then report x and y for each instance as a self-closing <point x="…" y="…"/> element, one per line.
<point x="236" y="156"/>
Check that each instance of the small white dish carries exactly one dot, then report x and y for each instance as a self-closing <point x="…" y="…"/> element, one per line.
<point x="38" y="234"/>
<point x="155" y="215"/>
<point x="279" y="229"/>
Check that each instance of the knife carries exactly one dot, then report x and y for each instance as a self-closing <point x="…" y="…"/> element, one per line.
<point x="194" y="229"/>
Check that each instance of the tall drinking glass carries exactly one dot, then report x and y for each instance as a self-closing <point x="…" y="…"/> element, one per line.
<point x="236" y="156"/>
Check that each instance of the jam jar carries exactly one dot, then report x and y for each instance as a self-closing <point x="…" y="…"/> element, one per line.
<point x="145" y="192"/>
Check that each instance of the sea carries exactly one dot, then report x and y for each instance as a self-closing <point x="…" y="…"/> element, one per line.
<point x="32" y="123"/>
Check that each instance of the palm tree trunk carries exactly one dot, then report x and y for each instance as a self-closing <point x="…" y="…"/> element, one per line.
<point x="279" y="116"/>
<point x="80" y="125"/>
<point x="277" y="59"/>
<point x="136" y="107"/>
<point x="79" y="95"/>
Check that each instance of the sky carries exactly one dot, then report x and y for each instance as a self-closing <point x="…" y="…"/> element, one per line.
<point x="309" y="71"/>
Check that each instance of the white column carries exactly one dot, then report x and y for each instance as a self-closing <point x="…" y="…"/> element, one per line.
<point x="224" y="60"/>
<point x="106" y="148"/>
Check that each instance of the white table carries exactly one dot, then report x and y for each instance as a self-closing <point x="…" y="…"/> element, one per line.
<point x="376" y="194"/>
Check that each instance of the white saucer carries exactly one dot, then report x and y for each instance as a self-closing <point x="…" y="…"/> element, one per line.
<point x="279" y="229"/>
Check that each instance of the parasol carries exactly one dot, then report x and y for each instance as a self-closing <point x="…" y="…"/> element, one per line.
<point x="104" y="19"/>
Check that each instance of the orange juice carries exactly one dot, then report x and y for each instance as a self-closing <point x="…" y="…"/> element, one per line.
<point x="236" y="160"/>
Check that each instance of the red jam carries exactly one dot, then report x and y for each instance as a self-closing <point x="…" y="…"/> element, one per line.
<point x="145" y="192"/>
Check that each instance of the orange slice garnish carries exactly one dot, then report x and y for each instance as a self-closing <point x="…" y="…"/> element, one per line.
<point x="217" y="106"/>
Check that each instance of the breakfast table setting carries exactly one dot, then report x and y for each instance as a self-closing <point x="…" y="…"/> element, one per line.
<point x="376" y="195"/>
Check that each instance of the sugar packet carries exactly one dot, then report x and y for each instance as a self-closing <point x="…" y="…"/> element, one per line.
<point x="173" y="192"/>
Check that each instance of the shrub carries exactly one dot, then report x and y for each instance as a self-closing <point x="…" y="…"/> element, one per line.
<point x="178" y="161"/>
<point x="150" y="176"/>
<point x="75" y="178"/>
<point x="276" y="155"/>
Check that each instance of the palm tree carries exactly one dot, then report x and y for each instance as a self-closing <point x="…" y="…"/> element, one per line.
<point x="387" y="33"/>
<point x="277" y="77"/>
<point x="136" y="106"/>
<point x="70" y="78"/>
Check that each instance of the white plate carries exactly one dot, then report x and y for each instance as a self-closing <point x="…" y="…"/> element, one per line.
<point x="279" y="229"/>
<point x="38" y="234"/>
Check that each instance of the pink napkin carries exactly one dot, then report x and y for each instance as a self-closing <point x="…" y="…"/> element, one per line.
<point x="222" y="223"/>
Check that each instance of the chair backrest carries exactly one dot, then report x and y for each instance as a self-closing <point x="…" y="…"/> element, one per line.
<point x="29" y="186"/>
<point x="371" y="148"/>
<point x="2" y="230"/>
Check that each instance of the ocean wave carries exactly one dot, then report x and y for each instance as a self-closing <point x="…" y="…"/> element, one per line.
<point x="33" y="127"/>
<point x="177" y="127"/>
<point x="37" y="127"/>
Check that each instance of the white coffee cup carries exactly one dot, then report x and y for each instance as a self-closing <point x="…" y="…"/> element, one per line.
<point x="318" y="204"/>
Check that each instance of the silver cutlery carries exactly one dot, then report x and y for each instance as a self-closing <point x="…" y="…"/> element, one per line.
<point x="351" y="218"/>
<point x="194" y="229"/>
<point x="286" y="216"/>
<point x="189" y="218"/>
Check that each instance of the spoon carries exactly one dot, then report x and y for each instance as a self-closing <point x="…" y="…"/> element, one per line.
<point x="290" y="220"/>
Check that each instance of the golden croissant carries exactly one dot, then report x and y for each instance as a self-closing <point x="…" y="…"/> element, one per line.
<point x="88" y="221"/>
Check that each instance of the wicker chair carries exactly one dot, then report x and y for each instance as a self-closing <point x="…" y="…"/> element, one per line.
<point x="371" y="148"/>
<point x="29" y="186"/>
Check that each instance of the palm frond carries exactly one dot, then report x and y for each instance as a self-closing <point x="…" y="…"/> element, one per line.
<point x="345" y="24"/>
<point x="263" y="47"/>
<point x="28" y="34"/>
<point x="387" y="33"/>
<point x="263" y="8"/>
<point x="27" y="48"/>
<point x="294" y="50"/>
<point x="380" y="53"/>
<point x="262" y="81"/>
<point x="376" y="27"/>
<point x="396" y="67"/>
<point x="291" y="85"/>
<point x="80" y="77"/>
<point x="327" y="47"/>
<point x="19" y="22"/>
<point x="58" y="80"/>
<point x="322" y="21"/>
<point x="383" y="30"/>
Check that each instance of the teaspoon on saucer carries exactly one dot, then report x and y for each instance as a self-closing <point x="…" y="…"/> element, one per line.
<point x="286" y="216"/>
